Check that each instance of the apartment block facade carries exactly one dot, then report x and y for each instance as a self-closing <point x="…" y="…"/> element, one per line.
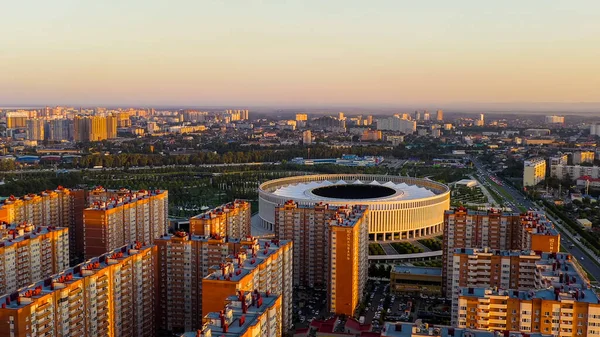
<point x="61" y="208"/>
<point x="246" y="314"/>
<point x="231" y="220"/>
<point x="534" y="171"/>
<point x="561" y="302"/>
<point x="331" y="249"/>
<point x="29" y="253"/>
<point x="572" y="172"/>
<point x="495" y="230"/>
<point x="111" y="295"/>
<point x="125" y="217"/>
<point x="261" y="265"/>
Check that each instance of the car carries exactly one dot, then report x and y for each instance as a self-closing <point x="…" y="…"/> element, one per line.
<point x="581" y="258"/>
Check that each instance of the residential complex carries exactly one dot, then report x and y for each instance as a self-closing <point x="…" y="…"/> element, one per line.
<point x="573" y="172"/>
<point x="61" y="208"/>
<point x="560" y="302"/>
<point x="29" y="253"/>
<point x="494" y="230"/>
<point x="126" y="217"/>
<point x="262" y="265"/>
<point x="246" y="314"/>
<point x="111" y="295"/>
<point x="231" y="220"/>
<point x="94" y="128"/>
<point x="555" y="119"/>
<point x="580" y="157"/>
<point x="534" y="171"/>
<point x="331" y="249"/>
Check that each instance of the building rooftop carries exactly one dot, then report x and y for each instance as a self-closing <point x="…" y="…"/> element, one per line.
<point x="252" y="254"/>
<point x="491" y="211"/>
<point x="212" y="213"/>
<point x="559" y="277"/>
<point x="24" y="296"/>
<point x="417" y="270"/>
<point x="419" y="329"/>
<point x="14" y="233"/>
<point x="241" y="312"/>
<point x="123" y="199"/>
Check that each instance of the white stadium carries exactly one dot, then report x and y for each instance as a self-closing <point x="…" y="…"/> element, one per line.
<point x="399" y="207"/>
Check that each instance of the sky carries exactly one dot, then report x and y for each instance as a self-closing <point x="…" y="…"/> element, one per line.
<point x="300" y="53"/>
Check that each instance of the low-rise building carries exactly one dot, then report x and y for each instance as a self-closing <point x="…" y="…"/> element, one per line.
<point x="416" y="280"/>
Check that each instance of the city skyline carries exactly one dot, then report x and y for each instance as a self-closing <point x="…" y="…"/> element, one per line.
<point x="463" y="55"/>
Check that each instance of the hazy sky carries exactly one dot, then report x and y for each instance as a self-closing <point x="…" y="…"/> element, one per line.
<point x="277" y="52"/>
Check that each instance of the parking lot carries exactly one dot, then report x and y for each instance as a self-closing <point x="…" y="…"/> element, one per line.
<point x="308" y="305"/>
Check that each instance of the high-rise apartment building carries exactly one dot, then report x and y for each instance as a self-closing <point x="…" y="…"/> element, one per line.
<point x="36" y="129"/>
<point x="126" y="217"/>
<point x="534" y="171"/>
<point x="330" y="249"/>
<point x="397" y="123"/>
<point x="494" y="230"/>
<point x="262" y="265"/>
<point x="301" y="117"/>
<point x="111" y="295"/>
<point x="94" y="128"/>
<point x="231" y="220"/>
<point x="17" y="119"/>
<point x="62" y="208"/>
<point x="439" y="116"/>
<point x="307" y="137"/>
<point x="583" y="157"/>
<point x="246" y="314"/>
<point x="555" y="119"/>
<point x="60" y="130"/>
<point x="560" y="302"/>
<point x="29" y="253"/>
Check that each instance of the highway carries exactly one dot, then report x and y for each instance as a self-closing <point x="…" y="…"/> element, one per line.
<point x="589" y="264"/>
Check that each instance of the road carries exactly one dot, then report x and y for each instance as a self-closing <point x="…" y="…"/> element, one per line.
<point x="587" y="263"/>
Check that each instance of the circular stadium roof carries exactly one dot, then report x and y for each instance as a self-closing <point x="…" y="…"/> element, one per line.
<point x="324" y="191"/>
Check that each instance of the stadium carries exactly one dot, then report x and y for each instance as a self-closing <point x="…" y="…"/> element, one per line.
<point x="400" y="207"/>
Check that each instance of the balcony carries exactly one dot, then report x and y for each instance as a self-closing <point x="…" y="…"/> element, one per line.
<point x="498" y="306"/>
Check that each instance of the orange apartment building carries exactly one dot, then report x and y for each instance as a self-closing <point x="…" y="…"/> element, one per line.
<point x="124" y="218"/>
<point x="331" y="249"/>
<point x="246" y="314"/>
<point x="231" y="220"/>
<point x="29" y="253"/>
<point x="495" y="230"/>
<point x="111" y="295"/>
<point x="61" y="208"/>
<point x="561" y="303"/>
<point x="197" y="257"/>
<point x="261" y="265"/>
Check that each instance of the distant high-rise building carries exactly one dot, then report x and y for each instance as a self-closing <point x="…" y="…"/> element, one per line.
<point x="94" y="128"/>
<point x="555" y="120"/>
<point x="426" y="116"/>
<point x="60" y="130"/>
<point x="595" y="129"/>
<point x="29" y="253"/>
<point x="35" y="129"/>
<point x="439" y="115"/>
<point x="126" y="217"/>
<point x="396" y="123"/>
<point x="417" y="115"/>
<point x="301" y="117"/>
<point x="583" y="157"/>
<point x="17" y="119"/>
<point x="306" y="137"/>
<point x="369" y="120"/>
<point x="341" y="116"/>
<point x="110" y="295"/>
<point x="231" y="220"/>
<point x="330" y="250"/>
<point x="534" y="171"/>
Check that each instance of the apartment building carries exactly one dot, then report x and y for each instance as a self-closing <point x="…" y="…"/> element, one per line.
<point x="192" y="256"/>
<point x="420" y="329"/>
<point x="94" y="128"/>
<point x="484" y="268"/>
<point x="262" y="265"/>
<point x="574" y="171"/>
<point x="61" y="208"/>
<point x="494" y="230"/>
<point x="330" y="249"/>
<point x="534" y="171"/>
<point x="246" y="314"/>
<point x="111" y="295"/>
<point x="29" y="253"/>
<point x="583" y="157"/>
<point x="125" y="217"/>
<point x="561" y="303"/>
<point x="231" y="220"/>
